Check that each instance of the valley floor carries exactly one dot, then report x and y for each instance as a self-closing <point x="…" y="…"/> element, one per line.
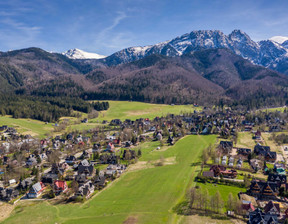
<point x="145" y="195"/>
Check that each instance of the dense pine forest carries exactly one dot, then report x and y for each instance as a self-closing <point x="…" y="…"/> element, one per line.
<point x="46" y="108"/>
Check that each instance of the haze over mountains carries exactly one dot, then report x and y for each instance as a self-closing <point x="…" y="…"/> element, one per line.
<point x="201" y="66"/>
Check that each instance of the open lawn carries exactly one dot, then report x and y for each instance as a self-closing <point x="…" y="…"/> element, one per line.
<point x="27" y="126"/>
<point x="245" y="140"/>
<point x="224" y="190"/>
<point x="133" y="110"/>
<point x="268" y="141"/>
<point x="139" y="196"/>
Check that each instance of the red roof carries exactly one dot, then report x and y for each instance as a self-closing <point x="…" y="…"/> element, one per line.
<point x="60" y="184"/>
<point x="248" y="207"/>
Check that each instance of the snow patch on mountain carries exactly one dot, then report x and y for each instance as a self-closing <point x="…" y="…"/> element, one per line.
<point x="80" y="54"/>
<point x="279" y="39"/>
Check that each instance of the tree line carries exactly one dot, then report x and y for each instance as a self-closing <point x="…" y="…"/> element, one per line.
<point x="200" y="199"/>
<point x="46" y="108"/>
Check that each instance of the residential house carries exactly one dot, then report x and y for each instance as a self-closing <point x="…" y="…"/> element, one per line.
<point x="96" y="148"/>
<point x="59" y="168"/>
<point x="254" y="163"/>
<point x="100" y="182"/>
<point x="49" y="178"/>
<point x="226" y="146"/>
<point x="12" y="182"/>
<point x="116" y="122"/>
<point x="261" y="150"/>
<point x="109" y="159"/>
<point x="85" y="168"/>
<point x="259" y="217"/>
<point x="43" y="156"/>
<point x="31" y="161"/>
<point x="85" y="190"/>
<point x="217" y="169"/>
<point x="110" y="148"/>
<point x="264" y="190"/>
<point x="60" y="186"/>
<point x="270" y="157"/>
<point x="36" y="190"/>
<point x="8" y="194"/>
<point x="229" y="173"/>
<point x="248" y="207"/>
<point x="272" y="208"/>
<point x="70" y="159"/>
<point x="243" y="151"/>
<point x="25" y="184"/>
<point x="279" y="179"/>
<point x="85" y="154"/>
<point x="265" y="151"/>
<point x="81" y="178"/>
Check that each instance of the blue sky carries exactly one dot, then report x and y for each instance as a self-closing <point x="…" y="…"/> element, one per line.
<point x="106" y="26"/>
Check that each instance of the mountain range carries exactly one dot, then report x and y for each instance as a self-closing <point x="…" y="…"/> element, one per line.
<point x="267" y="53"/>
<point x="272" y="53"/>
<point x="205" y="67"/>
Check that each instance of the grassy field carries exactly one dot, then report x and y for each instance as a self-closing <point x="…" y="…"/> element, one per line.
<point x="118" y="109"/>
<point x="223" y="189"/>
<point x="245" y="140"/>
<point x="27" y="126"/>
<point x="281" y="109"/>
<point x="133" y="110"/>
<point x="144" y="195"/>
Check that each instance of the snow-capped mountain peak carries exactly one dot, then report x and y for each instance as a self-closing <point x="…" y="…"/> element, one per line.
<point x="80" y="54"/>
<point x="279" y="39"/>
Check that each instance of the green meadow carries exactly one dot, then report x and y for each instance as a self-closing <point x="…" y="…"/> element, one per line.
<point x="133" y="110"/>
<point x="27" y="126"/>
<point x="118" y="109"/>
<point x="144" y="194"/>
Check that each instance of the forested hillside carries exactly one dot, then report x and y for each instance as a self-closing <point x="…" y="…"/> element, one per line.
<point x="46" y="86"/>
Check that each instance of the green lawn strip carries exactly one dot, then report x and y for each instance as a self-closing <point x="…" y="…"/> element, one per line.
<point x="146" y="195"/>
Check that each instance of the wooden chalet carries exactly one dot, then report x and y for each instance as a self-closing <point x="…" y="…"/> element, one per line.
<point x="226" y="145"/>
<point x="272" y="208"/>
<point x="279" y="179"/>
<point x="264" y="190"/>
<point x="243" y="151"/>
